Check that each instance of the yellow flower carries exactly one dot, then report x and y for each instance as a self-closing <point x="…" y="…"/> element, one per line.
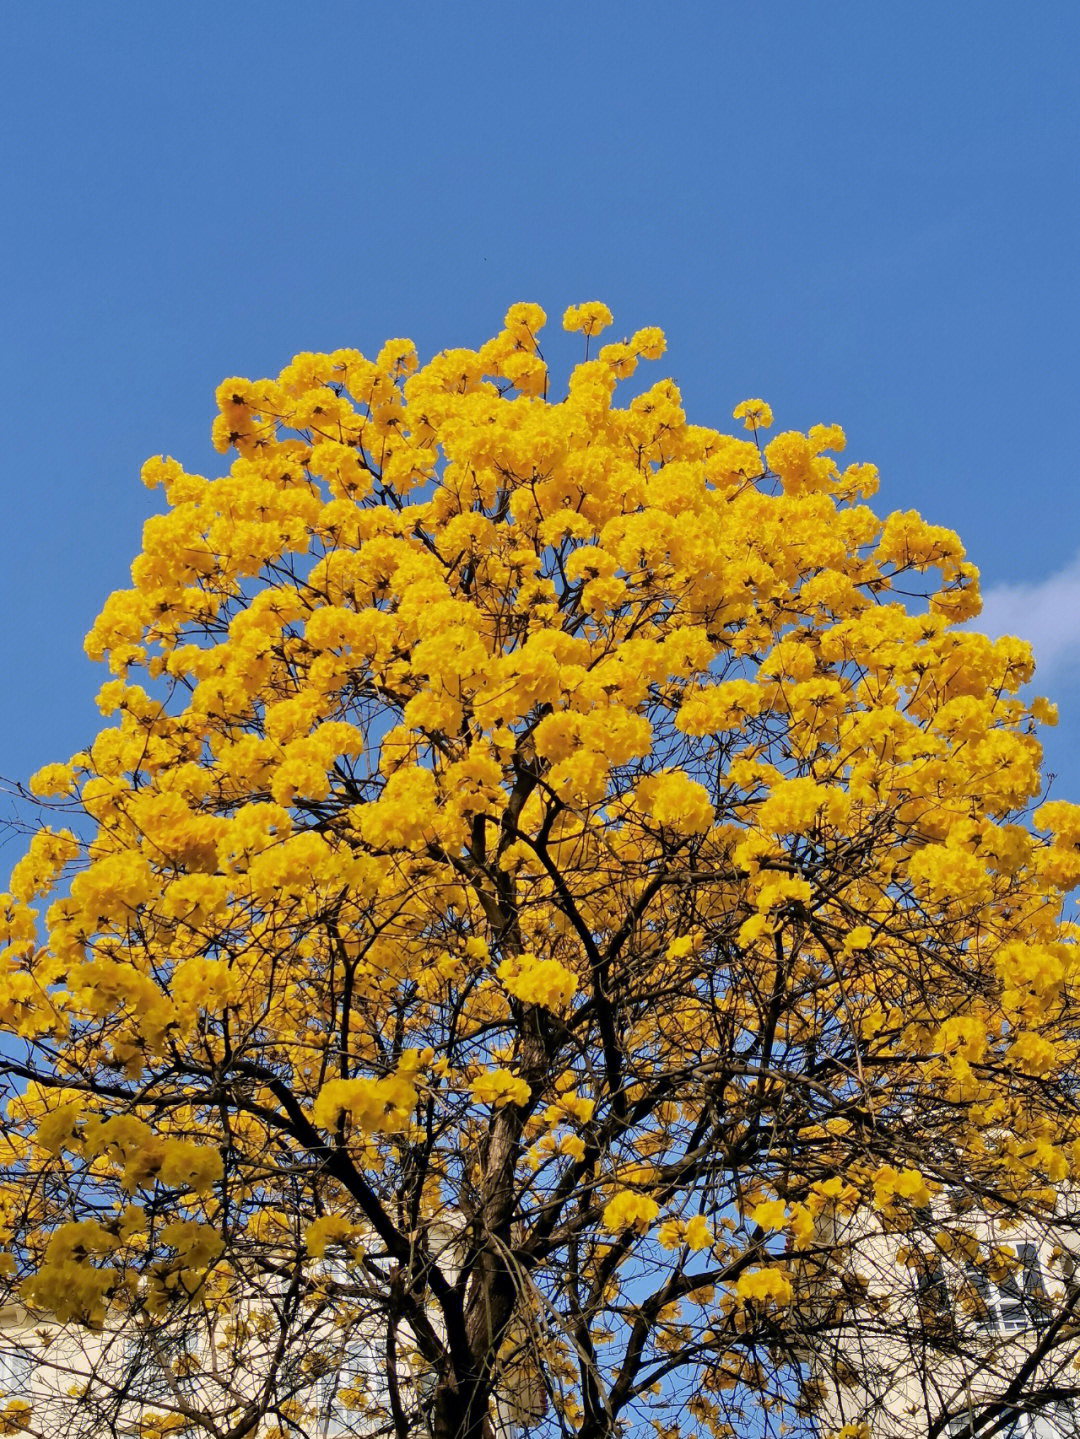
<point x="15" y="1417"/>
<point x="590" y="318"/>
<point x="649" y="343"/>
<point x="675" y="800"/>
<point x="755" y="414"/>
<point x="907" y="1184"/>
<point x="524" y="321"/>
<point x="861" y="937"/>
<point x="376" y="1106"/>
<point x="53" y="780"/>
<point x="770" y="1214"/>
<point x="538" y="981"/>
<point x="499" y="1087"/>
<point x="1033" y="1054"/>
<point x="698" y="1234"/>
<point x="765" y="1286"/>
<point x="630" y="1211"/>
<point x="801" y="1225"/>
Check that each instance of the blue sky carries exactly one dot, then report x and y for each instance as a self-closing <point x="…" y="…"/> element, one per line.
<point x="864" y="214"/>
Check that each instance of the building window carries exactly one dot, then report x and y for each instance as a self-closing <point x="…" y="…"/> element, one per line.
<point x="16" y="1367"/>
<point x="1016" y="1302"/>
<point x="1057" y="1422"/>
<point x="1054" y="1422"/>
<point x="965" y="1428"/>
<point x="358" y="1375"/>
<point x="931" y="1289"/>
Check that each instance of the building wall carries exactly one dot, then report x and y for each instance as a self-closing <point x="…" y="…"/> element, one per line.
<point x="907" y="1343"/>
<point x="49" y="1367"/>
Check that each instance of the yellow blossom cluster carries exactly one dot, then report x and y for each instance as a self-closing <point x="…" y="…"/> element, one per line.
<point x="766" y="1286"/>
<point x="538" y="981"/>
<point x="630" y="1211"/>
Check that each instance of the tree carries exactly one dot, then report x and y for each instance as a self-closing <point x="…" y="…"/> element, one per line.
<point x="559" y="859"/>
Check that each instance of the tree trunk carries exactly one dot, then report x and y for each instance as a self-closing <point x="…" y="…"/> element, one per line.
<point x="460" y="1412"/>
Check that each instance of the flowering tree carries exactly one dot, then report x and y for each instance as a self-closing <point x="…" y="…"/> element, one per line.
<point x="544" y="879"/>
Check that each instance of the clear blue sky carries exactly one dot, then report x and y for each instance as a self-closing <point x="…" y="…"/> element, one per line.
<point x="863" y="213"/>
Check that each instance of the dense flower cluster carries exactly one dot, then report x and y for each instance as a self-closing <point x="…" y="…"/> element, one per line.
<point x="534" y="850"/>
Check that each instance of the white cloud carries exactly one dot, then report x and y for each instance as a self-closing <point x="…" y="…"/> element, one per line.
<point x="1047" y="613"/>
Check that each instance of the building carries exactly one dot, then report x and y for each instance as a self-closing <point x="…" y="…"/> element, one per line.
<point x="947" y="1322"/>
<point x="69" y="1381"/>
<point x="66" y="1381"/>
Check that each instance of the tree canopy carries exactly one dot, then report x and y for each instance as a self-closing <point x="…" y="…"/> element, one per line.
<point x="547" y="861"/>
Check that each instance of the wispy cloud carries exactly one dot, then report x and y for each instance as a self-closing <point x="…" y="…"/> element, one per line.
<point x="1046" y="612"/>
